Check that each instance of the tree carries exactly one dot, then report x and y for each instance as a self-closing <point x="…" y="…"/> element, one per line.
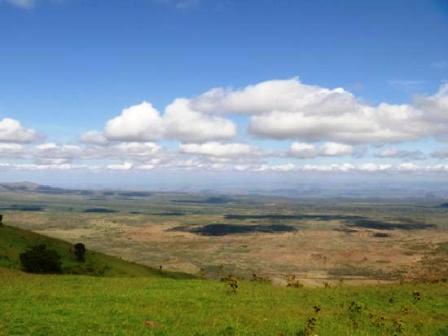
<point x="79" y="250"/>
<point x="40" y="259"/>
<point x="1" y="220"/>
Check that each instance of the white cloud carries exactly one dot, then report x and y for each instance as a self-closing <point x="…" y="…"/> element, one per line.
<point x="440" y="154"/>
<point x="94" y="138"/>
<point x="142" y="123"/>
<point x="435" y="109"/>
<point x="400" y="154"/>
<point x="303" y="150"/>
<point x="309" y="151"/>
<point x="136" y="123"/>
<point x="282" y="168"/>
<point x="137" y="149"/>
<point x="219" y="149"/>
<point x="12" y="131"/>
<point x="7" y="149"/>
<point x="289" y="109"/>
<point x="187" y="125"/>
<point x="121" y="166"/>
<point x="336" y="149"/>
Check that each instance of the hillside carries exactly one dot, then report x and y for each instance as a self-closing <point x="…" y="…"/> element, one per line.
<point x="83" y="305"/>
<point x="135" y="300"/>
<point x="14" y="241"/>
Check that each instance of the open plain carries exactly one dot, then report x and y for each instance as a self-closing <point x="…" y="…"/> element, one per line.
<point x="317" y="241"/>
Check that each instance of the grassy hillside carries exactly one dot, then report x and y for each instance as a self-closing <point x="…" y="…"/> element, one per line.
<point x="135" y="300"/>
<point x="83" y="305"/>
<point x="14" y="241"/>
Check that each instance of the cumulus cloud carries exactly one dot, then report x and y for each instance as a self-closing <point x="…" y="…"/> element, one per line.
<point x="8" y="149"/>
<point x="309" y="151"/>
<point x="303" y="150"/>
<point x="187" y="125"/>
<point x="440" y="154"/>
<point x="282" y="109"/>
<point x="219" y="149"/>
<point x="140" y="122"/>
<point x="94" y="138"/>
<point x="289" y="109"/>
<point x="400" y="154"/>
<point x="121" y="166"/>
<point x="12" y="131"/>
<point x="435" y="109"/>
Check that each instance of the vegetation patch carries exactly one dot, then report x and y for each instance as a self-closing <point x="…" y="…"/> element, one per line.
<point x="100" y="210"/>
<point x="381" y="235"/>
<point x="208" y="200"/>
<point x="134" y="194"/>
<point x="169" y="213"/>
<point x="289" y="217"/>
<point x="18" y="207"/>
<point x="380" y="225"/>
<point x="230" y="229"/>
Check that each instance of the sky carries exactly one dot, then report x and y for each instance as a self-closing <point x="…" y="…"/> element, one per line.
<point x="185" y="92"/>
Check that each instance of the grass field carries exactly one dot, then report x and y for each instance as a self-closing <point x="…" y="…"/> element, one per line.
<point x="85" y="305"/>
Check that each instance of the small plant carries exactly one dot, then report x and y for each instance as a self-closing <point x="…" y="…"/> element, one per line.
<point x="232" y="283"/>
<point x="258" y="278"/>
<point x="292" y="282"/>
<point x="354" y="311"/>
<point x="310" y="327"/>
<point x="39" y="259"/>
<point x="398" y="327"/>
<point x="417" y="296"/>
<point x="79" y="249"/>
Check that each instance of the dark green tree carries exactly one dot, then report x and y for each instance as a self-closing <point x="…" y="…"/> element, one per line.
<point x="79" y="249"/>
<point x="40" y="259"/>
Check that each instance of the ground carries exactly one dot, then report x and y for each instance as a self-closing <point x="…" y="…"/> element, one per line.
<point x="319" y="241"/>
<point x="85" y="305"/>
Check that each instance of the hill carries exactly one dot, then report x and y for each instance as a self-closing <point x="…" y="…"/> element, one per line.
<point x="84" y="305"/>
<point x="14" y="241"/>
<point x="130" y="299"/>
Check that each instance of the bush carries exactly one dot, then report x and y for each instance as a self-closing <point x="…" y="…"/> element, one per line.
<point x="79" y="250"/>
<point x="39" y="259"/>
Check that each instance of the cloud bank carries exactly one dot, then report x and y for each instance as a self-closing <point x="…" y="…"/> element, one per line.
<point x="281" y="126"/>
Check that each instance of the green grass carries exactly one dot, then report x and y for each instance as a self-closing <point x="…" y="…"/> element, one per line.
<point x="85" y="305"/>
<point x="14" y="241"/>
<point x="131" y="299"/>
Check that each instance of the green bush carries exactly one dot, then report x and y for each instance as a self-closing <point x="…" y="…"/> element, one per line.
<point x="79" y="250"/>
<point x="39" y="259"/>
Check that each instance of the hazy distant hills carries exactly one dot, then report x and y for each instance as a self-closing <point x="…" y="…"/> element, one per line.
<point x="45" y="189"/>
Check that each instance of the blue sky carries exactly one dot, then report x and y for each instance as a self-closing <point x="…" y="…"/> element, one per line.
<point x="71" y="66"/>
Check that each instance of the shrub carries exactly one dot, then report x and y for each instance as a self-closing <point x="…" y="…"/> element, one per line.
<point x="79" y="249"/>
<point x="39" y="259"/>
